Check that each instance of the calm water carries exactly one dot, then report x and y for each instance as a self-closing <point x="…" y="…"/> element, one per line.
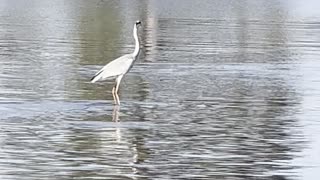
<point x="222" y="90"/>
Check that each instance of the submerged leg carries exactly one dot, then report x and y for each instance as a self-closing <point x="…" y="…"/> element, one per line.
<point x="118" y="80"/>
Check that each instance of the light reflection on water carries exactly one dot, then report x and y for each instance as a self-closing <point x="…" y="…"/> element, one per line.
<point x="222" y="90"/>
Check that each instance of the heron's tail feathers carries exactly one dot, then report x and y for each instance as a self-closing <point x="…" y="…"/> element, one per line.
<point x="96" y="77"/>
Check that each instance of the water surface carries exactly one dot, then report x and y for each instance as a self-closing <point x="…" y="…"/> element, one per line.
<point x="222" y="90"/>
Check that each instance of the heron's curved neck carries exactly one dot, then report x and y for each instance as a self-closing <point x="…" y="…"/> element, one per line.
<point x="137" y="45"/>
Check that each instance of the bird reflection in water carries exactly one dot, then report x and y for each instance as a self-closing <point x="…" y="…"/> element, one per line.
<point x="118" y="138"/>
<point x="115" y="118"/>
<point x="115" y="113"/>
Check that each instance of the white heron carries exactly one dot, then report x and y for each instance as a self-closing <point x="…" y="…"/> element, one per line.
<point x="119" y="67"/>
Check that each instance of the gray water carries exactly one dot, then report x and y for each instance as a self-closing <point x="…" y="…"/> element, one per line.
<point x="222" y="90"/>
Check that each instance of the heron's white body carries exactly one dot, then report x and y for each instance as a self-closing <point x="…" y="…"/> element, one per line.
<point x="119" y="67"/>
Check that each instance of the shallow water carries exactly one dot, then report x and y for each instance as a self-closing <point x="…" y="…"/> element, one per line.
<point x="222" y="90"/>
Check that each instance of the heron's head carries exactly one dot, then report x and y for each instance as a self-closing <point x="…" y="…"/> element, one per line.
<point x="138" y="23"/>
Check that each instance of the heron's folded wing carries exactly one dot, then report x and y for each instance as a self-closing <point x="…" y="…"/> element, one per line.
<point x="114" y="68"/>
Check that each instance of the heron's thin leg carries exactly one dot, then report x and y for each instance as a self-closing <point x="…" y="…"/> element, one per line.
<point x="118" y="80"/>
<point x="113" y="93"/>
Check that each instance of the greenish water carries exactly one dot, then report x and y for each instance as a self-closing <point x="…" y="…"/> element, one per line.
<point x="222" y="90"/>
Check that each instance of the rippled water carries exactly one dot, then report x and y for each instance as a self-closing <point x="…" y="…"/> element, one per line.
<point x="222" y="90"/>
